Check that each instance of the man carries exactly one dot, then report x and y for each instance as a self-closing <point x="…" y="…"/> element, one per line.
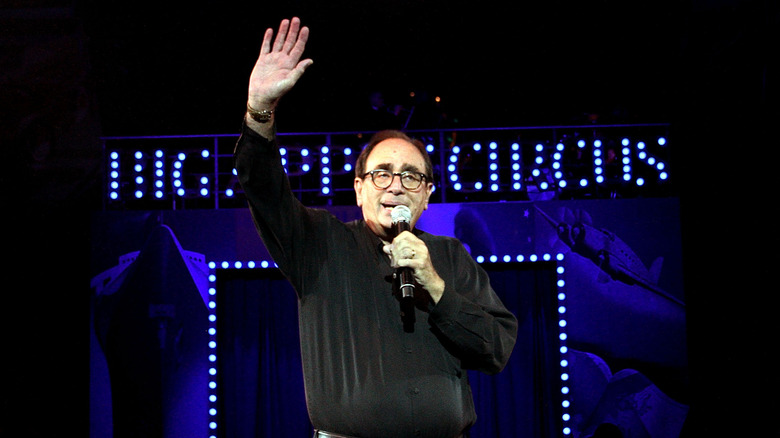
<point x="366" y="374"/>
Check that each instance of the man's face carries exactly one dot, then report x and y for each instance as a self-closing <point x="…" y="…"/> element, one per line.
<point x="395" y="155"/>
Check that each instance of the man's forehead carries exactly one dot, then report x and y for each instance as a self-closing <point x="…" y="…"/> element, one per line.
<point x="395" y="152"/>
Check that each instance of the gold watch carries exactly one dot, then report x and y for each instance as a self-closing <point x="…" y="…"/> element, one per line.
<point x="261" y="116"/>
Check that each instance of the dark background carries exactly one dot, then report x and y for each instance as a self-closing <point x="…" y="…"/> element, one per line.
<point x="73" y="71"/>
<point x="165" y="70"/>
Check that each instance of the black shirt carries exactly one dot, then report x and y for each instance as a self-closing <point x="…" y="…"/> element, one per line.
<point x="364" y="374"/>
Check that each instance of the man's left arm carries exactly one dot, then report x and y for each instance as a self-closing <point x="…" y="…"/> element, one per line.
<point x="473" y="319"/>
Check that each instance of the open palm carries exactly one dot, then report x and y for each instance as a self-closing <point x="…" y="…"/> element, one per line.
<point x="279" y="65"/>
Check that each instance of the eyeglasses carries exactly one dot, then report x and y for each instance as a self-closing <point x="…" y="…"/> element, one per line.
<point x="383" y="178"/>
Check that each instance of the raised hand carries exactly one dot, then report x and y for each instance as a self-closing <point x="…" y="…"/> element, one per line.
<point x="279" y="65"/>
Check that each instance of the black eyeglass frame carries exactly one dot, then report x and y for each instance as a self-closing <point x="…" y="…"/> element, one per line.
<point x="401" y="175"/>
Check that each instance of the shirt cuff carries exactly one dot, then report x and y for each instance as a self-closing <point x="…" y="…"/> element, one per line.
<point x="448" y="306"/>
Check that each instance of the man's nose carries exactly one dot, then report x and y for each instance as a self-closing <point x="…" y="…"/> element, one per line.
<point x="395" y="185"/>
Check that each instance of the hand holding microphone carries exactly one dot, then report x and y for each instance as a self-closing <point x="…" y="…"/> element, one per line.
<point x="401" y="217"/>
<point x="410" y="256"/>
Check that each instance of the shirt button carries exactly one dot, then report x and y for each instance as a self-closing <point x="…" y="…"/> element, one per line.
<point x="408" y="350"/>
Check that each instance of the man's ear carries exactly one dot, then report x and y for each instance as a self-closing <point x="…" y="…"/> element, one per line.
<point x="359" y="191"/>
<point x="428" y="193"/>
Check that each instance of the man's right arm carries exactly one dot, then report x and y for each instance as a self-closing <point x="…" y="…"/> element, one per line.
<point x="278" y="215"/>
<point x="284" y="224"/>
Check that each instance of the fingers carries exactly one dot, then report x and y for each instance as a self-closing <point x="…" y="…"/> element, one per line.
<point x="407" y="251"/>
<point x="266" y="47"/>
<point x="290" y="38"/>
<point x="281" y="35"/>
<point x="296" y="48"/>
<point x="293" y="36"/>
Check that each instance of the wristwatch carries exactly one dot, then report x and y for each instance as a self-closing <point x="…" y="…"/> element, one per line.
<point x="261" y="116"/>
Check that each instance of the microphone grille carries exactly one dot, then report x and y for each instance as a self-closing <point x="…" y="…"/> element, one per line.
<point x="401" y="213"/>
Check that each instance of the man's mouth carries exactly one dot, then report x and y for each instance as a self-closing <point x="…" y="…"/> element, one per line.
<point x="388" y="206"/>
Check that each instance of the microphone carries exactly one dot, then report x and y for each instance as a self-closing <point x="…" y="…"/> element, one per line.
<point x="401" y="216"/>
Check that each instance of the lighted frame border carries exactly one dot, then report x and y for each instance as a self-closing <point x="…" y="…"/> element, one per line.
<point x="560" y="284"/>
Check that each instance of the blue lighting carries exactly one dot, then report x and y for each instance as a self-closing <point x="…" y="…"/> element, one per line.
<point x="499" y="164"/>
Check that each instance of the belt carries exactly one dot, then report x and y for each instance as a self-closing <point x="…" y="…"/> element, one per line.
<point x="323" y="434"/>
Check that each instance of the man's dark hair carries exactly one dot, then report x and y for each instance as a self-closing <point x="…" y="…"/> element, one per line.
<point x="360" y="165"/>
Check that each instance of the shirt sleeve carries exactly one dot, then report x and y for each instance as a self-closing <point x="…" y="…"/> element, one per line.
<point x="472" y="319"/>
<point x="285" y="225"/>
